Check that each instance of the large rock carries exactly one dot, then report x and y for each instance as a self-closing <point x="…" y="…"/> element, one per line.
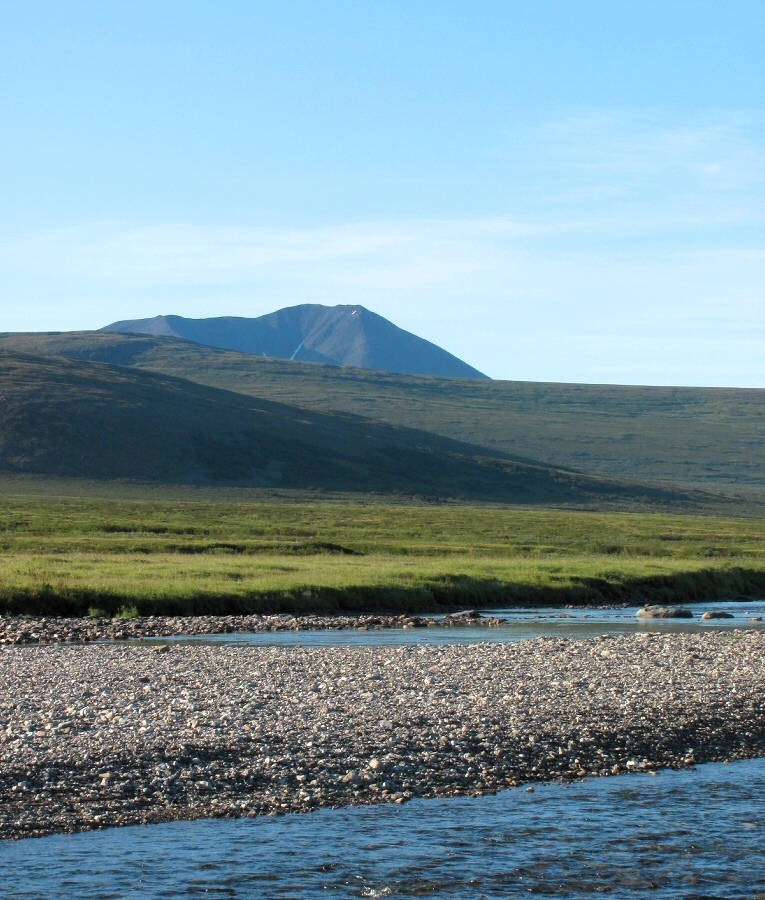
<point x="664" y="612"/>
<point x="717" y="614"/>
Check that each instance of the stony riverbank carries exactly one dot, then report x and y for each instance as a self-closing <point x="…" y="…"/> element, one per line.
<point x="60" y="629"/>
<point x="102" y="735"/>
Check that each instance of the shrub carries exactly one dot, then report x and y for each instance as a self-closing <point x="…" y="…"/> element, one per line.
<point x="127" y="612"/>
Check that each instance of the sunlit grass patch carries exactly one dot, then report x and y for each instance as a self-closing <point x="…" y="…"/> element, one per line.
<point x="155" y="556"/>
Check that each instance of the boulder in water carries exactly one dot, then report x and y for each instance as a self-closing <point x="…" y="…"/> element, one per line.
<point x="461" y="618"/>
<point x="664" y="612"/>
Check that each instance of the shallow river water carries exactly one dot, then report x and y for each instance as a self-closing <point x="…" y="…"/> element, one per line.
<point x="696" y="834"/>
<point x="521" y="624"/>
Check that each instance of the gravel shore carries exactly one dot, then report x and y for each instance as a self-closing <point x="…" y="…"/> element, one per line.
<point x="60" y="629"/>
<point x="99" y="735"/>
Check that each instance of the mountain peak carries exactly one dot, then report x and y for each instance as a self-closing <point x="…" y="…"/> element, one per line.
<point x="344" y="335"/>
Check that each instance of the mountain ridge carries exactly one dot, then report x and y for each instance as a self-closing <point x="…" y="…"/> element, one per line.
<point x="343" y="335"/>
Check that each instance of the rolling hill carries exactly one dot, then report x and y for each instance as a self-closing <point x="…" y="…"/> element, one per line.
<point x="339" y="335"/>
<point x="83" y="419"/>
<point x="708" y="438"/>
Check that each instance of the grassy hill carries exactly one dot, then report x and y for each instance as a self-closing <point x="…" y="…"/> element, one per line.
<point x="711" y="438"/>
<point x="83" y="419"/>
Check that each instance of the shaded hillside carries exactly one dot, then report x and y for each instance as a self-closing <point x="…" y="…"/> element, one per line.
<point x="713" y="438"/>
<point x="74" y="418"/>
<point x="340" y="335"/>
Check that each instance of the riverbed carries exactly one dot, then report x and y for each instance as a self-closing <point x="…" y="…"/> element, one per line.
<point x="116" y="734"/>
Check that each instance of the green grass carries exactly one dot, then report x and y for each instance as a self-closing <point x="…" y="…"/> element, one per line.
<point x="130" y="557"/>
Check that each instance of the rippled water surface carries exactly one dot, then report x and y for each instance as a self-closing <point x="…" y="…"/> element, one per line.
<point x="691" y="834"/>
<point x="521" y="624"/>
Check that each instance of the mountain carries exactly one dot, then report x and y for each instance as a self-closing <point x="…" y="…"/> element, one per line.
<point x="340" y="335"/>
<point x="712" y="439"/>
<point x="83" y="419"/>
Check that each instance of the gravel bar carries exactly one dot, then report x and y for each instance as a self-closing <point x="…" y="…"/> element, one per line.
<point x="60" y="629"/>
<point x="98" y="735"/>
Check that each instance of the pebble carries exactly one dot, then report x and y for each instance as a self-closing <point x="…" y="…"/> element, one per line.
<point x="98" y="735"/>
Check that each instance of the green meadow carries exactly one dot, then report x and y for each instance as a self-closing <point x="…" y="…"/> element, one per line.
<point x="193" y="552"/>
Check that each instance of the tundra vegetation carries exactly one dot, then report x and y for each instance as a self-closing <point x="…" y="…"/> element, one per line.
<point x="710" y="439"/>
<point x="69" y="547"/>
<point x="145" y="475"/>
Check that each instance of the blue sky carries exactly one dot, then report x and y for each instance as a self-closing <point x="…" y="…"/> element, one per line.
<point x="556" y="190"/>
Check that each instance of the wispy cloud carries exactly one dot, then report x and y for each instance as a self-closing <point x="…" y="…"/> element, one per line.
<point x="188" y="254"/>
<point x="640" y="170"/>
<point x="638" y="148"/>
<point x="630" y="238"/>
<point x="583" y="181"/>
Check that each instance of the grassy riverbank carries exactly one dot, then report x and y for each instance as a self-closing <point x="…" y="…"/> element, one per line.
<point x="173" y="556"/>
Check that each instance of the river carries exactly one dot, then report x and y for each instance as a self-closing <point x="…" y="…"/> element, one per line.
<point x="521" y="624"/>
<point x="688" y="834"/>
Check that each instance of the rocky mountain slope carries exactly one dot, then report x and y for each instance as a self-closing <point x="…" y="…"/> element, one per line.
<point x="340" y="335"/>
